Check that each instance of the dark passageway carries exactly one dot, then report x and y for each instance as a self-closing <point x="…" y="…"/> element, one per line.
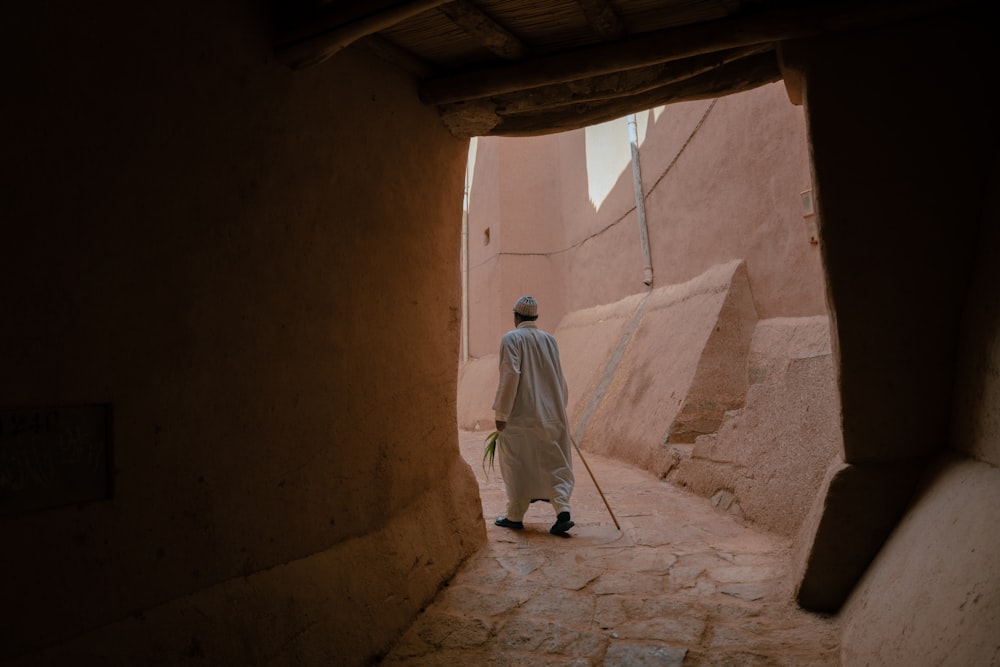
<point x="251" y="270"/>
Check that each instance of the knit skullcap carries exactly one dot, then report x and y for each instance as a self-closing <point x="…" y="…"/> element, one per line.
<point x="526" y="306"/>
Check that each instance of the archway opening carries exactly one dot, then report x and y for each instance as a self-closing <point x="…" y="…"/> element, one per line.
<point x="675" y="259"/>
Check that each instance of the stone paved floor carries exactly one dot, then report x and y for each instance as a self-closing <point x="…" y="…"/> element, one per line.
<point x="682" y="583"/>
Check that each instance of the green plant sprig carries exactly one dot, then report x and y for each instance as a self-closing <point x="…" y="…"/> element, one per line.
<point x="491" y="450"/>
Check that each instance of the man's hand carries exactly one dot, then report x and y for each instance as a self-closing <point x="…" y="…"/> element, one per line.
<point x="501" y="425"/>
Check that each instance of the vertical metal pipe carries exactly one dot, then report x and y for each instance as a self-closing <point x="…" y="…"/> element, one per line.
<point x="465" y="257"/>
<point x="640" y="202"/>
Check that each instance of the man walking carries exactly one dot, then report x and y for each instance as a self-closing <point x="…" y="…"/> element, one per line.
<point x="530" y="406"/>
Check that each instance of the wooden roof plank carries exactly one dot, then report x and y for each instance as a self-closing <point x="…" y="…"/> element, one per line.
<point x="602" y="18"/>
<point x="739" y="76"/>
<point x="609" y="86"/>
<point x="673" y="44"/>
<point x="649" y="15"/>
<point x="436" y="39"/>
<point x="322" y="37"/>
<point x="484" y="29"/>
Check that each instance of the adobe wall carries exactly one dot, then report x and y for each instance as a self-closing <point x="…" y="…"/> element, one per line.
<point x="515" y="235"/>
<point x="910" y="515"/>
<point x="976" y="415"/>
<point x="938" y="575"/>
<point x="768" y="458"/>
<point x="258" y="270"/>
<point x="723" y="181"/>
<point x="684" y="381"/>
<point x="591" y="341"/>
<point x="682" y="369"/>
<point x="931" y="596"/>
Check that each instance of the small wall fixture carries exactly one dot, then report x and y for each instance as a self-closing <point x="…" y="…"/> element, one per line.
<point x="807" y="203"/>
<point x="809" y="213"/>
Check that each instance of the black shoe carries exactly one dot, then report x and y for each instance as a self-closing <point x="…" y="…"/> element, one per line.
<point x="539" y="500"/>
<point x="562" y="524"/>
<point x="504" y="522"/>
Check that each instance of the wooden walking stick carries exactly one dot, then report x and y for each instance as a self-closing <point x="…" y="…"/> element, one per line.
<point x="580" y="454"/>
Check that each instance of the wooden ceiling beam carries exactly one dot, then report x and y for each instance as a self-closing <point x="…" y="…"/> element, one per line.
<point x="602" y="18"/>
<point x="609" y="86"/>
<point x="481" y="27"/>
<point x="739" y="76"/>
<point x="323" y="36"/>
<point x="759" y="27"/>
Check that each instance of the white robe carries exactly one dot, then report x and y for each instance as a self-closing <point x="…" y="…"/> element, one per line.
<point x="536" y="451"/>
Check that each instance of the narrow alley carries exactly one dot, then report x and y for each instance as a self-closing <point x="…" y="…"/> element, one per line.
<point x="682" y="583"/>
